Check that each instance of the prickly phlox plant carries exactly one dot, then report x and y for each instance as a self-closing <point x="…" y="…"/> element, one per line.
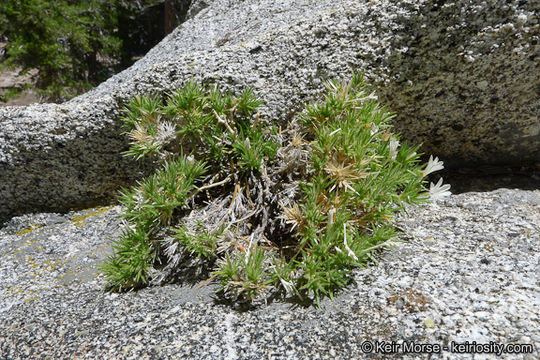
<point x="266" y="209"/>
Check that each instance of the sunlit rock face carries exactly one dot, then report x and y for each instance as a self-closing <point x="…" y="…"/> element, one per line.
<point x="463" y="78"/>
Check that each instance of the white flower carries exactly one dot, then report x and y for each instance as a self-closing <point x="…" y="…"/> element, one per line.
<point x="432" y="166"/>
<point x="166" y="132"/>
<point x="439" y="191"/>
<point x="394" y="144"/>
<point x="288" y="285"/>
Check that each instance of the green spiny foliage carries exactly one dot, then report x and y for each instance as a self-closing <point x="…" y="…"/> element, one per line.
<point x="211" y="125"/>
<point x="134" y="255"/>
<point x="245" y="273"/>
<point x="156" y="198"/>
<point x="292" y="210"/>
<point x="199" y="242"/>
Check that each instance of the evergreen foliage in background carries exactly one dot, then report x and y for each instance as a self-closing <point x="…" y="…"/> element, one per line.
<point x="268" y="210"/>
<point x="73" y="44"/>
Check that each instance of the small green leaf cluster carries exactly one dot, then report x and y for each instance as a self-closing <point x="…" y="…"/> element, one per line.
<point x="131" y="264"/>
<point x="218" y="125"/>
<point x="157" y="197"/>
<point x="290" y="210"/>
<point x="245" y="273"/>
<point x="148" y="208"/>
<point x="199" y="242"/>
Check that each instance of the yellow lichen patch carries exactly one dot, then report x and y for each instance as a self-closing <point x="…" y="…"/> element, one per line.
<point x="42" y="267"/>
<point x="28" y="230"/>
<point x="24" y="245"/>
<point x="18" y="290"/>
<point x="79" y="220"/>
<point x="51" y="265"/>
<point x="30" y="261"/>
<point x="14" y="289"/>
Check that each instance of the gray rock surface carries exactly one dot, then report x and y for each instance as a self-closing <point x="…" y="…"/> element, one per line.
<point x="466" y="271"/>
<point x="463" y="76"/>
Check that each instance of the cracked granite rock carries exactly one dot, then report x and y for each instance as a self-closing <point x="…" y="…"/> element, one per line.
<point x="466" y="271"/>
<point x="462" y="76"/>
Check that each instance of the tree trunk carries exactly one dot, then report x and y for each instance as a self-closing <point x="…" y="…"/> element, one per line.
<point x="170" y="17"/>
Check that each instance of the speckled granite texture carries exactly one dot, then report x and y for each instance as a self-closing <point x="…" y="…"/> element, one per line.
<point x="463" y="77"/>
<point x="466" y="271"/>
